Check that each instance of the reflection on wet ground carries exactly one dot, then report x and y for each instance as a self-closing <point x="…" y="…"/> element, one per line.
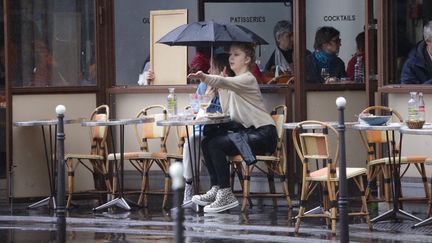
<point x="261" y="224"/>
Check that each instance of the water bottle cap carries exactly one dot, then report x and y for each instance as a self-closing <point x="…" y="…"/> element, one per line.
<point x="171" y="90"/>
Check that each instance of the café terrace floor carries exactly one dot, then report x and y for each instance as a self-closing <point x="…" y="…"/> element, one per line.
<point x="260" y="224"/>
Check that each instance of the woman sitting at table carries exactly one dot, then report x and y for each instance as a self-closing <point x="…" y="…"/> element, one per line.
<point x="251" y="128"/>
<point x="324" y="64"/>
<point x="218" y="64"/>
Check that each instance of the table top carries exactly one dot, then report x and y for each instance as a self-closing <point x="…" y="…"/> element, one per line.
<point x="113" y="122"/>
<point x="46" y="122"/>
<point x="390" y="127"/>
<point x="293" y="125"/>
<point x="179" y="121"/>
<point x="426" y="130"/>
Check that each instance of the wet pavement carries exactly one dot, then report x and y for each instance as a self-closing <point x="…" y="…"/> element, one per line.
<point x="260" y="224"/>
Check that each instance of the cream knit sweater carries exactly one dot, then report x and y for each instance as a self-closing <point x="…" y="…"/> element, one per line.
<point x="241" y="97"/>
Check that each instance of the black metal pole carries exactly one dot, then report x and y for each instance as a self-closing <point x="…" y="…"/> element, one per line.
<point x="176" y="173"/>
<point x="343" y="202"/>
<point x="60" y="207"/>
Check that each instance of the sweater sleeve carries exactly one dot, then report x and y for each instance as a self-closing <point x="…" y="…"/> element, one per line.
<point x="237" y="84"/>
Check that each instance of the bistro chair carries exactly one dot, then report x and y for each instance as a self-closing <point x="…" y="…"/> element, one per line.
<point x="314" y="145"/>
<point x="97" y="156"/>
<point x="377" y="166"/>
<point x="271" y="165"/>
<point x="144" y="159"/>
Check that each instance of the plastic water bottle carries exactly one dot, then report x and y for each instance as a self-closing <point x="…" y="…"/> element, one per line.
<point x="358" y="70"/>
<point x="421" y="108"/>
<point x="171" y="102"/>
<point x="412" y="107"/>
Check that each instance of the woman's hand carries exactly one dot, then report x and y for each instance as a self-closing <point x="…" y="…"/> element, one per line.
<point x="198" y="75"/>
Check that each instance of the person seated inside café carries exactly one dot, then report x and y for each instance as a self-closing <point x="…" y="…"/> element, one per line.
<point x="418" y="67"/>
<point x="360" y="53"/>
<point x="324" y="65"/>
<point x="282" y="56"/>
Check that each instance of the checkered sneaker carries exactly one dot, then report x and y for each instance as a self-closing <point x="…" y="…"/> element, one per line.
<point x="206" y="199"/>
<point x="225" y="200"/>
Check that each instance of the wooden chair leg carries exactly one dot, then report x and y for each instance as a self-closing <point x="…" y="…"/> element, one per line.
<point x="425" y="181"/>
<point x="271" y="184"/>
<point x="69" y="165"/>
<point x="167" y="183"/>
<point x="285" y="187"/>
<point x="370" y="177"/>
<point x="246" y="187"/>
<point x="302" y="208"/>
<point x="166" y="191"/>
<point x="365" y="210"/>
<point x="232" y="174"/>
<point x="387" y="190"/>
<point x="114" y="172"/>
<point x="333" y="209"/>
<point x="142" y="200"/>
<point x="326" y="202"/>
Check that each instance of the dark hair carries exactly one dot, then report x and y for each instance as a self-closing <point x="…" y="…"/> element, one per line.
<point x="249" y="50"/>
<point x="360" y="41"/>
<point x="324" y="35"/>
<point x="221" y="61"/>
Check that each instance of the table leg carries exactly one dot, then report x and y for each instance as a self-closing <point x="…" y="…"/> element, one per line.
<point x="395" y="213"/>
<point x="119" y="201"/>
<point x="50" y="162"/>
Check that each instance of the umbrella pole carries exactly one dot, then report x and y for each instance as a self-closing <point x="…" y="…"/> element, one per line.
<point x="211" y="56"/>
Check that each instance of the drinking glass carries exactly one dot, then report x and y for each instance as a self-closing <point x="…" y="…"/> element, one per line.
<point x="325" y="73"/>
<point x="194" y="101"/>
<point x="205" y="101"/>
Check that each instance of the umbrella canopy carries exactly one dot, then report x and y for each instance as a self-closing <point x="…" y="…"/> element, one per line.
<point x="208" y="33"/>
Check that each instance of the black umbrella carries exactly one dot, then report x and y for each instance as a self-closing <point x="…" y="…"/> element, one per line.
<point x="209" y="33"/>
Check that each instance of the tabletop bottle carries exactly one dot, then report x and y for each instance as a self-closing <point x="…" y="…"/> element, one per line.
<point x="358" y="70"/>
<point x="421" y="107"/>
<point x="412" y="107"/>
<point x="171" y="102"/>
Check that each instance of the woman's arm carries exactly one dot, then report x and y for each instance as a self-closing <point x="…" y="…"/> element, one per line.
<point x="237" y="84"/>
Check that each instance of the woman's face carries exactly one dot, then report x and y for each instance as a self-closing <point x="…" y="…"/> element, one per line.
<point x="238" y="60"/>
<point x="285" y="41"/>
<point x="333" y="46"/>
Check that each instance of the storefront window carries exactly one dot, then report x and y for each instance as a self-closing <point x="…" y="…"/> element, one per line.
<point x="408" y="53"/>
<point x="335" y="37"/>
<point x="272" y="21"/>
<point x="52" y="43"/>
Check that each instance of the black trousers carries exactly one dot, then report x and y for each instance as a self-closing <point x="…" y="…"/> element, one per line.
<point x="216" y="148"/>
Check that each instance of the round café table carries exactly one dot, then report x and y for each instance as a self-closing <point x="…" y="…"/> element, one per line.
<point x="50" y="148"/>
<point x="394" y="213"/>
<point x="120" y="201"/>
<point x="426" y="130"/>
<point x="191" y="121"/>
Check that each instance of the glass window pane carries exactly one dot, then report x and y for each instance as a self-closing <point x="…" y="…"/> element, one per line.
<point x="272" y="21"/>
<point x="52" y="43"/>
<point x="332" y="36"/>
<point x="410" y="63"/>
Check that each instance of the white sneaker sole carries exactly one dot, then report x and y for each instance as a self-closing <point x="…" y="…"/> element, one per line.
<point x="199" y="202"/>
<point x="207" y="209"/>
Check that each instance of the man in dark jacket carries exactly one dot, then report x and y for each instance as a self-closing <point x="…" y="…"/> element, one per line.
<point x="418" y="68"/>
